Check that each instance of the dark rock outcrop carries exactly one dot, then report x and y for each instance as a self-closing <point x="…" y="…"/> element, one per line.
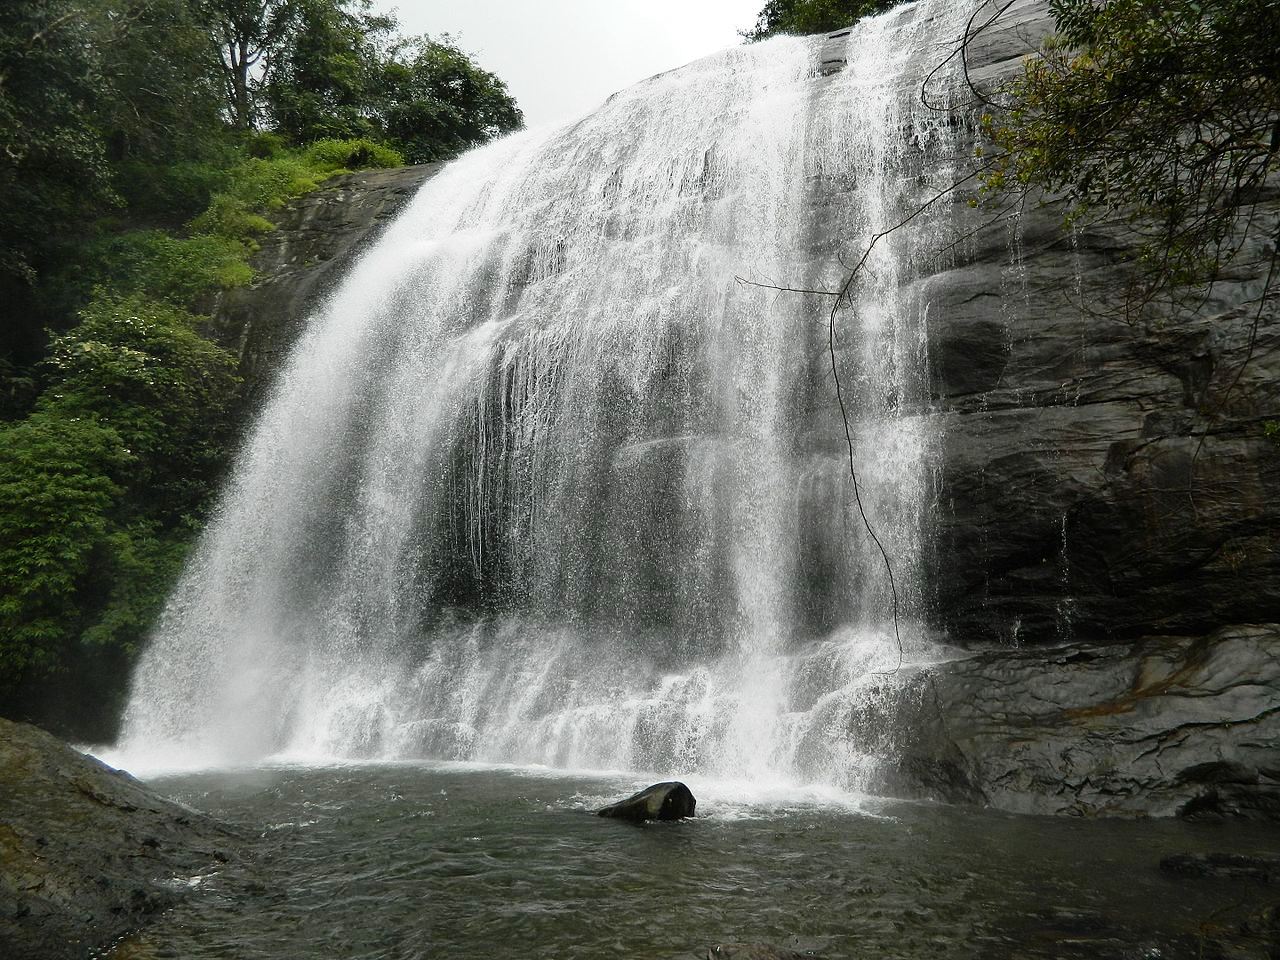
<point x="1166" y="726"/>
<point x="1107" y="500"/>
<point x="671" y="800"/>
<point x="87" y="853"/>
<point x="317" y="238"/>
<point x="1223" y="866"/>
<point x="1103" y="472"/>
<point x="1102" y="476"/>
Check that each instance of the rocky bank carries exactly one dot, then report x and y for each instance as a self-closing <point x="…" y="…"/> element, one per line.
<point x="87" y="853"/>
<point x="1165" y="726"/>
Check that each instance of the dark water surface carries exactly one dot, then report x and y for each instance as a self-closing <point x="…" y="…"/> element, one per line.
<point x="450" y="862"/>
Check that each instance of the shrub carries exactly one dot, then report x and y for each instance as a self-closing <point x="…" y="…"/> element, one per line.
<point x="338" y="155"/>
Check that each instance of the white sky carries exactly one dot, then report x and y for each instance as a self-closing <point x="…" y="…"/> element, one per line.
<point x="561" y="58"/>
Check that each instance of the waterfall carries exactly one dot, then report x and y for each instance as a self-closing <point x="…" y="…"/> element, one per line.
<point x="543" y="483"/>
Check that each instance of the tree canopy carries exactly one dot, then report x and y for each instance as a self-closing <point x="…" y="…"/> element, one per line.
<point x="812" y="16"/>
<point x="347" y="74"/>
<point x="134" y="110"/>
<point x="1165" y="113"/>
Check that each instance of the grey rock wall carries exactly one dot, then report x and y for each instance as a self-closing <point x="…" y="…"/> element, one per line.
<point x="1107" y="515"/>
<point x="317" y="238"/>
<point x="1102" y="476"/>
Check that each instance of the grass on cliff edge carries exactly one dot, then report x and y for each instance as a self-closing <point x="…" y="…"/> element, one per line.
<point x="185" y="269"/>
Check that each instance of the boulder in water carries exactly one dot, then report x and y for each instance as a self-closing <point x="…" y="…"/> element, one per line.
<point x="671" y="800"/>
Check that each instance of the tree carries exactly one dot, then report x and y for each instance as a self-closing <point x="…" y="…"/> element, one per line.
<point x="101" y="490"/>
<point x="54" y="173"/>
<point x="1162" y="113"/>
<point x="60" y="480"/>
<point x="161" y="121"/>
<point x="248" y="36"/>
<point x="812" y="16"/>
<point x="435" y="102"/>
<point x="327" y="79"/>
<point x="96" y="98"/>
<point x="321" y="69"/>
<point x="140" y="369"/>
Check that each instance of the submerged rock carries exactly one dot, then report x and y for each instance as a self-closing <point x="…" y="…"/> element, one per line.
<point x="87" y="853"/>
<point x="671" y="800"/>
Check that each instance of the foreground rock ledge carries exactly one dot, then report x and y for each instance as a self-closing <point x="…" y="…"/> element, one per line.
<point x="1167" y="726"/>
<point x="87" y="853"/>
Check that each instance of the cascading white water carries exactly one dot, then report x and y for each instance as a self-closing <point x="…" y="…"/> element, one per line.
<point x="543" y="484"/>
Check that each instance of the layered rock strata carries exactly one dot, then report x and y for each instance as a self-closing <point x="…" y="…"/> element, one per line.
<point x="1165" y="726"/>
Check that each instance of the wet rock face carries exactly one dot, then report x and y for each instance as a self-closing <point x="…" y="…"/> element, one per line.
<point x="1100" y="477"/>
<point x="317" y="238"/>
<point x="87" y="853"/>
<point x="1103" y="473"/>
<point x="663" y="801"/>
<point x="1107" y="499"/>
<point x="1100" y="472"/>
<point x="1167" y="726"/>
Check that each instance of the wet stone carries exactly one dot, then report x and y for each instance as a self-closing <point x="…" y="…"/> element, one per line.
<point x="670" y="800"/>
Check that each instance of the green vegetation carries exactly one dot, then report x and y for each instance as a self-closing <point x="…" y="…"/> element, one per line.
<point x="812" y="16"/>
<point x="1161" y="113"/>
<point x="145" y="146"/>
<point x="101" y="488"/>
<point x="347" y="76"/>
<point x="121" y="453"/>
<point x="214" y="251"/>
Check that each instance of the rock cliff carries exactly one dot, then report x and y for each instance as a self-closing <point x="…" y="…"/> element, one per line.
<point x="1165" y="726"/>
<point x="1108" y="507"/>
<point x="317" y="238"/>
<point x="1106" y="528"/>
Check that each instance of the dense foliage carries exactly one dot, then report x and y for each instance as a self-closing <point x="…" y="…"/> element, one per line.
<point x="96" y="99"/>
<point x="812" y="16"/>
<point x="144" y="146"/>
<point x="101" y="488"/>
<point x="134" y="111"/>
<point x="1165" y="113"/>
